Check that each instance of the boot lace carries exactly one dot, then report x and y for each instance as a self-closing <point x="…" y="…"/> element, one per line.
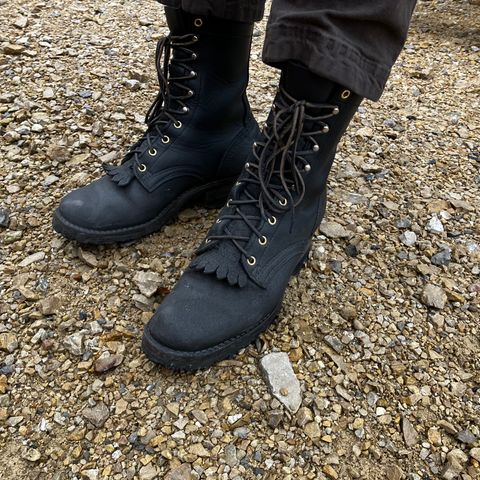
<point x="172" y="63"/>
<point x="273" y="182"/>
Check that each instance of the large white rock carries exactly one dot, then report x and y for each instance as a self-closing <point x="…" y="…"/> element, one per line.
<point x="282" y="380"/>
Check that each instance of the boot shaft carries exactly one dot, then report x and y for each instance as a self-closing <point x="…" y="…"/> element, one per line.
<point x="223" y="47"/>
<point x="211" y="59"/>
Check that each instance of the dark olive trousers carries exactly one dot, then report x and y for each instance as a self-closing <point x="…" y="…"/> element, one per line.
<point x="352" y="42"/>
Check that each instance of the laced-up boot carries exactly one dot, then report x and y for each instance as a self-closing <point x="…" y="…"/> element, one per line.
<point x="199" y="132"/>
<point x="232" y="291"/>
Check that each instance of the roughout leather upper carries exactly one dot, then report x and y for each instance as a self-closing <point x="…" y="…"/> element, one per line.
<point x="211" y="144"/>
<point x="220" y="295"/>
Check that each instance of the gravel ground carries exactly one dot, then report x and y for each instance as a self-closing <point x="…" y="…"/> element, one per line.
<point x="381" y="329"/>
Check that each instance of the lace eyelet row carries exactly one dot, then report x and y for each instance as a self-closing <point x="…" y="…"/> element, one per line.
<point x="263" y="240"/>
<point x="153" y="151"/>
<point x="165" y="139"/>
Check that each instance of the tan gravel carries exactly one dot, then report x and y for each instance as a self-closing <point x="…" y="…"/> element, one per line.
<point x="381" y="327"/>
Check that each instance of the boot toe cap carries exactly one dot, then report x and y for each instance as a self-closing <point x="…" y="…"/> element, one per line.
<point x="78" y="207"/>
<point x="171" y="327"/>
<point x="101" y="205"/>
<point x="183" y="326"/>
<point x="200" y="313"/>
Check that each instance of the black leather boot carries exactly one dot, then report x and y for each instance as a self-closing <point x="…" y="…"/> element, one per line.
<point x="199" y="132"/>
<point x="233" y="289"/>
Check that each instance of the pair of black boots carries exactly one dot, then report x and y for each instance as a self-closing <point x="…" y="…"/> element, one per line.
<point x="203" y="144"/>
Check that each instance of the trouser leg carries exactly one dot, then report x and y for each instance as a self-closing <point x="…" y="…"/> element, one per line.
<point x="352" y="42"/>
<point x="239" y="10"/>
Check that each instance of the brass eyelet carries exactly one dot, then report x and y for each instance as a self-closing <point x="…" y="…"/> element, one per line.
<point x="190" y="93"/>
<point x="307" y="167"/>
<point x="185" y="109"/>
<point x="316" y="148"/>
<point x="142" y="167"/>
<point x="193" y="74"/>
<point x="228" y="202"/>
<point x="283" y="202"/>
<point x="219" y="220"/>
<point x="165" y="139"/>
<point x="325" y="129"/>
<point x="345" y="94"/>
<point x="198" y="22"/>
<point x="247" y="166"/>
<point x="262" y="240"/>
<point x="336" y="111"/>
<point x="272" y="221"/>
<point x="237" y="184"/>
<point x="152" y="152"/>
<point x="195" y="38"/>
<point x="207" y="240"/>
<point x="177" y="124"/>
<point x="194" y="56"/>
<point x="251" y="260"/>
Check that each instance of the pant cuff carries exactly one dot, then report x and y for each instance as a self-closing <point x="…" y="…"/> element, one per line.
<point x="326" y="57"/>
<point x="246" y="11"/>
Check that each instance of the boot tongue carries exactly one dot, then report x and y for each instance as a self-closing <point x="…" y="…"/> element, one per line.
<point x="302" y="84"/>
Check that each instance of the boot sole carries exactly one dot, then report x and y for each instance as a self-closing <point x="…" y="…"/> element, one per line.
<point x="180" y="360"/>
<point x="211" y="195"/>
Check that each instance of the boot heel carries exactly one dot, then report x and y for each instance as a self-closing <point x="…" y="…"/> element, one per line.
<point x="216" y="197"/>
